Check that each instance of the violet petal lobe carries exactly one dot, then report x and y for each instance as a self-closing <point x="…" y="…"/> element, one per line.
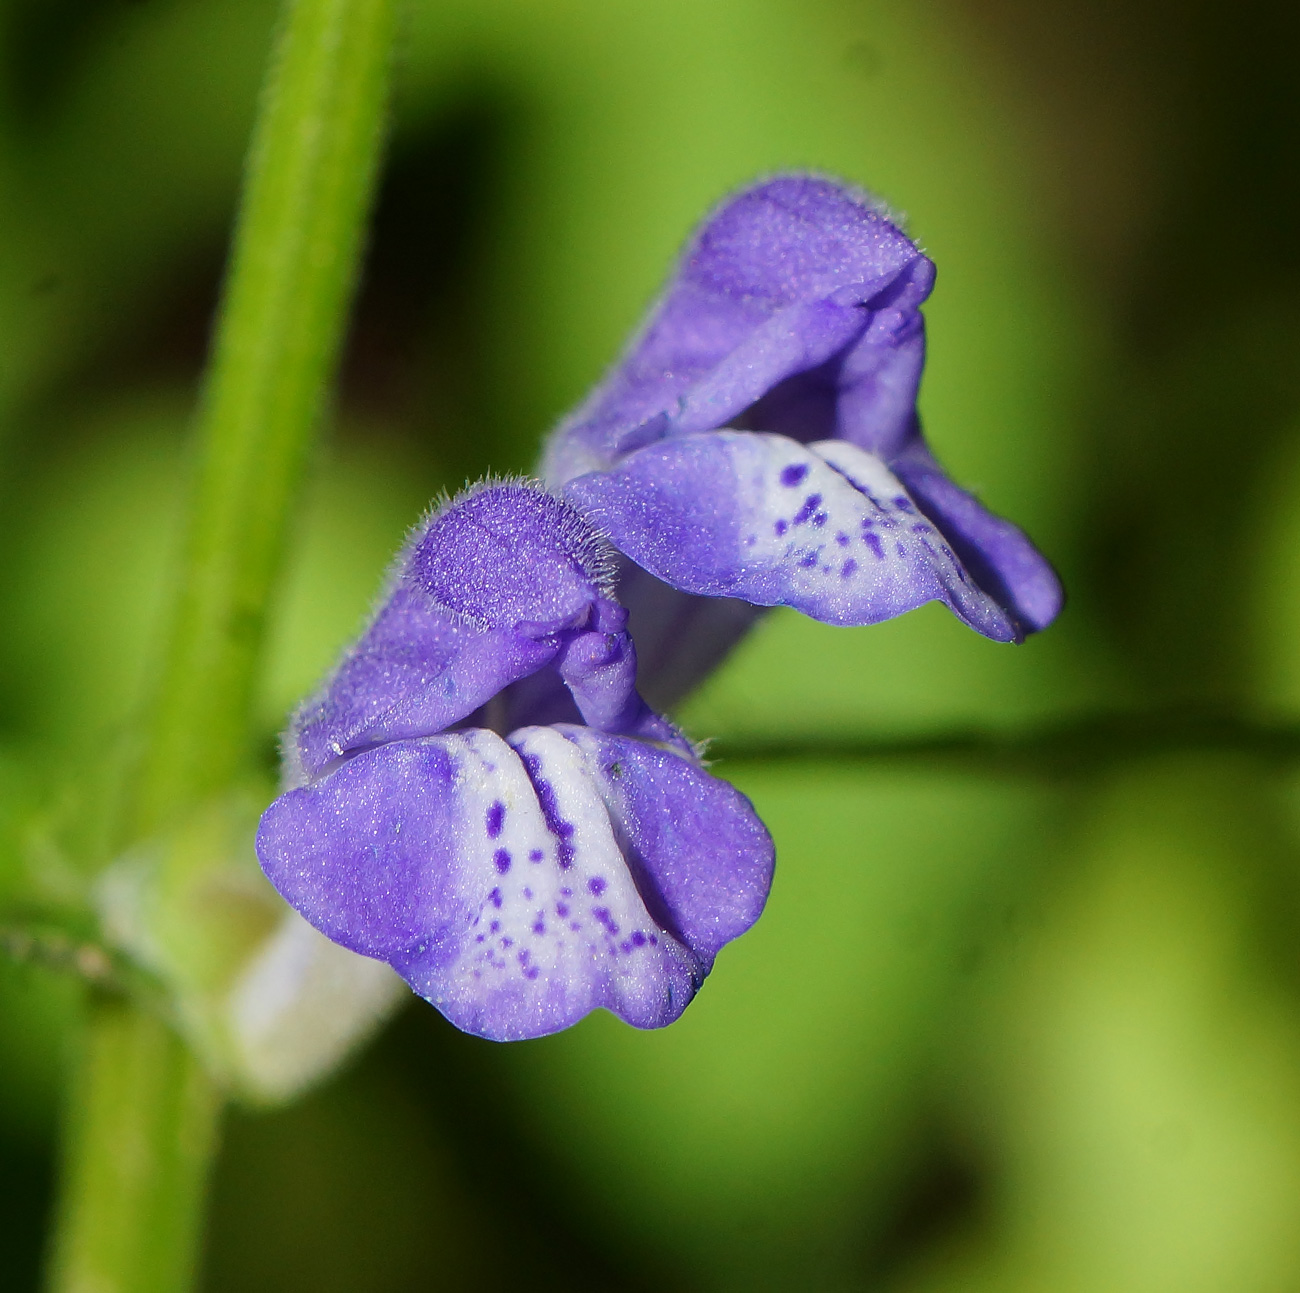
<point x="519" y="884"/>
<point x="507" y="555"/>
<point x="701" y="857"/>
<point x="824" y="528"/>
<point x="998" y="554"/>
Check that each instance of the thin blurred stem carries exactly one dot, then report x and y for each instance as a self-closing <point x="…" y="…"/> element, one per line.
<point x="144" y="1116"/>
<point x="1073" y="748"/>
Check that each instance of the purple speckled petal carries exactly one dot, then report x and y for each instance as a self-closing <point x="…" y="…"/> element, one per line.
<point x="701" y="857"/>
<point x="492" y="875"/>
<point x="825" y="528"/>
<point x="780" y="280"/>
<point x="795" y="312"/>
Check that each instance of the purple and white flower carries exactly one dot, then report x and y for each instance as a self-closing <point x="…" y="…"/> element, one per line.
<point x="760" y="440"/>
<point x="480" y="797"/>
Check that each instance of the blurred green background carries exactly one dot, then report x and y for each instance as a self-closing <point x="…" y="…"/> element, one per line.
<point x="997" y="1030"/>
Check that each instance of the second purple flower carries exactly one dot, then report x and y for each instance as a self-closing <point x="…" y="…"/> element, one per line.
<point x="760" y="440"/>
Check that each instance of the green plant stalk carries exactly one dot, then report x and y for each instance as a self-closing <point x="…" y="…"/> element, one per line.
<point x="140" y="1138"/>
<point x="311" y="173"/>
<point x="143" y="1123"/>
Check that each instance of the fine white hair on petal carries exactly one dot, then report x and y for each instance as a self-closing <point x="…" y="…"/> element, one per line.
<point x="301" y="1005"/>
<point x="589" y="544"/>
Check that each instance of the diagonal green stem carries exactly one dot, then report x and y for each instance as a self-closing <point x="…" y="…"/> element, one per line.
<point x="144" y="1114"/>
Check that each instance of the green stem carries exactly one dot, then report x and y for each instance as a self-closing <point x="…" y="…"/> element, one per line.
<point x="310" y="177"/>
<point x="1076" y="747"/>
<point x="144" y="1116"/>
<point x="142" y="1129"/>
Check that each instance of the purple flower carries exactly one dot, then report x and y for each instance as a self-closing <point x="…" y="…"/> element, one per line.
<point x="760" y="439"/>
<point x="481" y="798"/>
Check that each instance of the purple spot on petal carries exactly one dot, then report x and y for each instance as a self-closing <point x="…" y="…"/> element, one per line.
<point x="528" y="893"/>
<point x="793" y="474"/>
<point x="495" y="897"/>
<point x="638" y="939"/>
<point x="903" y="503"/>
<point x="496" y="816"/>
<point x="478" y="938"/>
<point x="561" y="909"/>
<point x="502" y="859"/>
<point x="820" y="518"/>
<point x="597" y="885"/>
<point x="877" y="548"/>
<point x="604" y="918"/>
<point x="805" y="513"/>
<point x="531" y="972"/>
<point x="507" y="942"/>
<point x="494" y="927"/>
<point x="535" y="855"/>
<point x="847" y="569"/>
<point x="921" y="528"/>
<point x="808" y="561"/>
<point x="780" y="527"/>
<point x="539" y="926"/>
<point x="902" y="551"/>
<point x="842" y="539"/>
<point x="550" y="807"/>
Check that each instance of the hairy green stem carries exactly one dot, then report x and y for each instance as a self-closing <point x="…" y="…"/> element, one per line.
<point x="144" y="1114"/>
